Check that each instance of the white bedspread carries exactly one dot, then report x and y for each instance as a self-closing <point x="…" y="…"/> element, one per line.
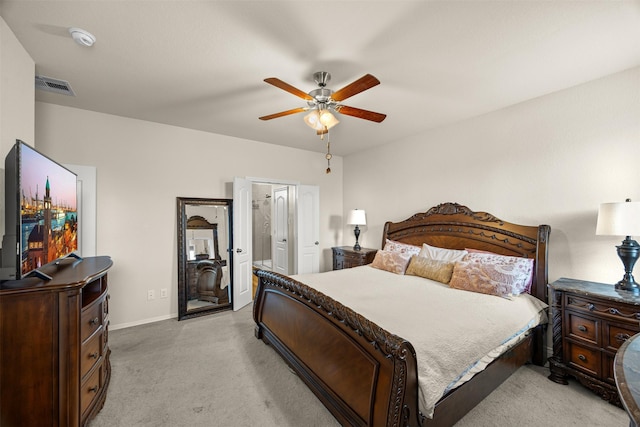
<point x="450" y="329"/>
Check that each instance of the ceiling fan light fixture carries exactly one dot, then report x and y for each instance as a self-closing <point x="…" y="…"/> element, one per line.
<point x="327" y="119"/>
<point x="320" y="120"/>
<point x="313" y="120"/>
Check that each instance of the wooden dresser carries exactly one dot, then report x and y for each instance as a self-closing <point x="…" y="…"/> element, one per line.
<point x="590" y="322"/>
<point x="54" y="346"/>
<point x="347" y="257"/>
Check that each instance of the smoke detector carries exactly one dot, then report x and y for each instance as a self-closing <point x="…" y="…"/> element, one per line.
<point x="82" y="37"/>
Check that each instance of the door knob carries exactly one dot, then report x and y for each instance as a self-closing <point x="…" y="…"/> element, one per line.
<point x="238" y="250"/>
<point x="317" y="243"/>
<point x="284" y="240"/>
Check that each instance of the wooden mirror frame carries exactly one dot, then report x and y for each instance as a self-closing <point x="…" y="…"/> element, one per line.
<point x="186" y="222"/>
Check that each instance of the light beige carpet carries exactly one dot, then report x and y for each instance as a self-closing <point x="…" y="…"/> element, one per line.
<point x="212" y="371"/>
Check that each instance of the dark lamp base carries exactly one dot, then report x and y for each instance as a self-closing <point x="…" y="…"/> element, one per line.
<point x="629" y="252"/>
<point x="628" y="286"/>
<point x="356" y="231"/>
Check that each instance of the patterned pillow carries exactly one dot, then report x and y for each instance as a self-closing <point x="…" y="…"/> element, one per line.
<point x="493" y="274"/>
<point x="395" y="262"/>
<point x="440" y="271"/>
<point x="393" y="246"/>
<point x="442" y="254"/>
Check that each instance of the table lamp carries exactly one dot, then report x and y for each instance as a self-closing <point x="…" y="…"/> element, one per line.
<point x="357" y="217"/>
<point x="622" y="219"/>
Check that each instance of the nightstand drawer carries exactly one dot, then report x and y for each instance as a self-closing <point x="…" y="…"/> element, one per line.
<point x="582" y="328"/>
<point x="607" y="368"/>
<point x="347" y="257"/>
<point x="616" y="335"/>
<point x="611" y="310"/>
<point x="583" y="358"/>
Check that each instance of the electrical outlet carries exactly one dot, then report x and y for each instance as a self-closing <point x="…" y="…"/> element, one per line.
<point x="163" y="293"/>
<point x="151" y="294"/>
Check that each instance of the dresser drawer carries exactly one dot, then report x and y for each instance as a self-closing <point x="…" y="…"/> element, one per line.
<point x="584" y="358"/>
<point x="582" y="328"/>
<point x="91" y="320"/>
<point x="90" y="353"/>
<point x="90" y="388"/>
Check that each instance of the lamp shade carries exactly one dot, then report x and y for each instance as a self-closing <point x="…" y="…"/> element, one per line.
<point x="357" y="217"/>
<point x="619" y="219"/>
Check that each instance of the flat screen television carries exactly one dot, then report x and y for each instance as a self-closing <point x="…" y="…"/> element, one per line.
<point x="41" y="214"/>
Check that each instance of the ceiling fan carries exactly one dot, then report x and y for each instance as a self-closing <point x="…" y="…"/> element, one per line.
<point x="322" y="101"/>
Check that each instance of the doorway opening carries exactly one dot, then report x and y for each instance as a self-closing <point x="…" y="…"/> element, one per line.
<point x="273" y="236"/>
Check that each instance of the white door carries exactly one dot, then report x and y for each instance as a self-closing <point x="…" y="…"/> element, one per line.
<point x="308" y="228"/>
<point x="242" y="271"/>
<point x="281" y="230"/>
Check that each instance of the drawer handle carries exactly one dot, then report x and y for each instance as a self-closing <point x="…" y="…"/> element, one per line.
<point x="622" y="337"/>
<point x="582" y="357"/>
<point x="94" y="355"/>
<point x="94" y="389"/>
<point x="582" y="328"/>
<point x="94" y="321"/>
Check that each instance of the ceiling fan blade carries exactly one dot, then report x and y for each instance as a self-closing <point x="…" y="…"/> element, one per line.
<point x="363" y="83"/>
<point x="283" y="113"/>
<point x="361" y="114"/>
<point x="286" y="86"/>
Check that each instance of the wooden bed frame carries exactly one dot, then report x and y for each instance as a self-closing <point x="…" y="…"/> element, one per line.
<point x="367" y="376"/>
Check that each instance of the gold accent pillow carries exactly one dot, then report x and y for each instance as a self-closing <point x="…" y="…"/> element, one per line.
<point x="440" y="271"/>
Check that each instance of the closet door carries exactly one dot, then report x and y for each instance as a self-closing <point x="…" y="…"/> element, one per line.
<point x="308" y="228"/>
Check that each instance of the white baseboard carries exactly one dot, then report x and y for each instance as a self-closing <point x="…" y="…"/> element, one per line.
<point x="141" y="322"/>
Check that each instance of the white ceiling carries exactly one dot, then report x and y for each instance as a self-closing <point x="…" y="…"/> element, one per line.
<point x="201" y="64"/>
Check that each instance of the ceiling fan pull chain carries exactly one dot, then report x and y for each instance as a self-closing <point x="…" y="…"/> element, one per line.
<point x="328" y="156"/>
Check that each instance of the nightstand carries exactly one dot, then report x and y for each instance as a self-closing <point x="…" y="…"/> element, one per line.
<point x="347" y="257"/>
<point x="590" y="322"/>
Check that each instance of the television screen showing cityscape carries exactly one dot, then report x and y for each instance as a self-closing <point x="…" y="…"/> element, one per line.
<point x="48" y="212"/>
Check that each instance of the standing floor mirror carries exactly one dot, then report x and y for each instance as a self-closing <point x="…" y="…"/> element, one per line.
<point x="205" y="276"/>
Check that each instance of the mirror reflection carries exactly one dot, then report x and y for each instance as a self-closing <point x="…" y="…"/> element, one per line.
<point x="204" y="265"/>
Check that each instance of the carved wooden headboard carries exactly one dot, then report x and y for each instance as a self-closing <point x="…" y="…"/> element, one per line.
<point x="453" y="226"/>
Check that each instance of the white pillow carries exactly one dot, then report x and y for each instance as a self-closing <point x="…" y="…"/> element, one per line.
<point x="442" y="254"/>
<point x="404" y="248"/>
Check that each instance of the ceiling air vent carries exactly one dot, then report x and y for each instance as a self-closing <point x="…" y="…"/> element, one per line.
<point x="54" y="85"/>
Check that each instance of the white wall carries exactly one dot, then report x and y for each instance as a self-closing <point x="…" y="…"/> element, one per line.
<point x="551" y="160"/>
<point x="17" y="91"/>
<point x="17" y="87"/>
<point x="142" y="167"/>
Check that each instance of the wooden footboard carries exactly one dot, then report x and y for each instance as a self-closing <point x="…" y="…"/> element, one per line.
<point x="363" y="374"/>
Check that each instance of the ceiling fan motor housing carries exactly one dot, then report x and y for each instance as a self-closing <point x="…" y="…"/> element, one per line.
<point x="321" y="96"/>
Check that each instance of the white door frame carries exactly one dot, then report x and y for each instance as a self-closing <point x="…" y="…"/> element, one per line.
<point x="280" y="229"/>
